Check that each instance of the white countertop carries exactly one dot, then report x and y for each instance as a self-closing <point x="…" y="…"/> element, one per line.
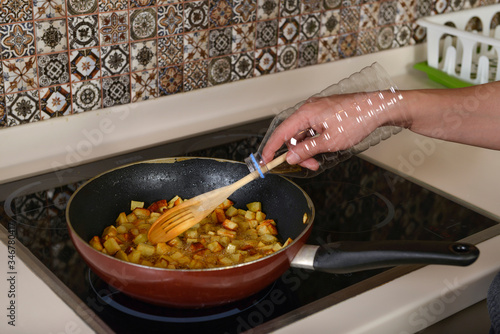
<point x="459" y="171"/>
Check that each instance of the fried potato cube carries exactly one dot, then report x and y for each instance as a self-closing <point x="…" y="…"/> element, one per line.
<point x="268" y="239"/>
<point x="253" y="258"/>
<point x="195" y="264"/>
<point x="158" y="206"/>
<point x="220" y="215"/>
<point x="142" y="213"/>
<point x="215" y="247"/>
<point x="236" y="258"/>
<point x="226" y="204"/>
<point x="96" y="243"/>
<point x="109" y="231"/>
<point x="276" y="247"/>
<point x="147" y="263"/>
<point x="111" y="246"/>
<point x="162" y="248"/>
<point x="231" y="248"/>
<point x="140" y="238"/>
<point x="249" y="215"/>
<point x="192" y="233"/>
<point x="226" y="261"/>
<point x="260" y="216"/>
<point x="242" y="212"/>
<point x="226" y="233"/>
<point x="136" y="204"/>
<point x="231" y="211"/>
<point x="131" y="217"/>
<point x="267" y="227"/>
<point x="196" y="246"/>
<point x="254" y="206"/>
<point x="121" y="255"/>
<point x="161" y="263"/>
<point x="175" y="242"/>
<point x="134" y="256"/>
<point x="121" y="219"/>
<point x="252" y="223"/>
<point x="146" y="250"/>
<point x="287" y="242"/>
<point x="230" y="225"/>
<point x="174" y="201"/>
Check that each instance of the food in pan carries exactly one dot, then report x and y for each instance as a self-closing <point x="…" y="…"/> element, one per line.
<point x="226" y="237"/>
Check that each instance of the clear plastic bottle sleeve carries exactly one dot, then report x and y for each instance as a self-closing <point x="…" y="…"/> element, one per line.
<point x="371" y="92"/>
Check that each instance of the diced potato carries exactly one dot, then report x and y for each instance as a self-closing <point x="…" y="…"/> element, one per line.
<point x="121" y="255"/>
<point x="276" y="247"/>
<point x="252" y="258"/>
<point x="236" y="258"/>
<point x="136" y="204"/>
<point x="260" y="216"/>
<point x="196" y="247"/>
<point x="109" y="231"/>
<point x="96" y="243"/>
<point x="111" y="246"/>
<point x="225" y="237"/>
<point x="267" y="227"/>
<point x="131" y="217"/>
<point x="254" y="206"/>
<point x="287" y="242"/>
<point x="146" y="250"/>
<point x="134" y="256"/>
<point x="220" y="215"/>
<point x="122" y="219"/>
<point x="215" y="247"/>
<point x="249" y="215"/>
<point x="230" y="225"/>
<point x="175" y="242"/>
<point x="226" y="261"/>
<point x="147" y="263"/>
<point x="226" y="233"/>
<point x="192" y="233"/>
<point x="158" y="206"/>
<point x="141" y="213"/>
<point x="268" y="239"/>
<point x="162" y="248"/>
<point x="231" y="212"/>
<point x="226" y="204"/>
<point x="231" y="248"/>
<point x="174" y="201"/>
<point x="121" y="229"/>
<point x="140" y="238"/>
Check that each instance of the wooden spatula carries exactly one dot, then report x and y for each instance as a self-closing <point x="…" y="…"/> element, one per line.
<point x="182" y="217"/>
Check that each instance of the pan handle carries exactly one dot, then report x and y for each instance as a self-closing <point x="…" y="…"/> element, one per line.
<point x="351" y="256"/>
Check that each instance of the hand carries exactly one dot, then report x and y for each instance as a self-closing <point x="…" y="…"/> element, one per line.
<point x="338" y="121"/>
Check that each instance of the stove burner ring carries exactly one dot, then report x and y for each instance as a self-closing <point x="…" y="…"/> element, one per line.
<point x="128" y="305"/>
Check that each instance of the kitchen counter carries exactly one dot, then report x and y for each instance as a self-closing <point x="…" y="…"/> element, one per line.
<point x="404" y="305"/>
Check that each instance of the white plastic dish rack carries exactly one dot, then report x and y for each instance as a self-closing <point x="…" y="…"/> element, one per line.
<point x="470" y="56"/>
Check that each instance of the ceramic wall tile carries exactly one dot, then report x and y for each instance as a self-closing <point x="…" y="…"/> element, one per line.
<point x="61" y="57"/>
<point x="86" y="96"/>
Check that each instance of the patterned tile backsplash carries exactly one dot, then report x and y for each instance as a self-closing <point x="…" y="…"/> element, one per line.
<point x="61" y="57"/>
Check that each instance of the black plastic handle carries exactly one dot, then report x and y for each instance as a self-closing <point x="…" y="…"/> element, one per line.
<point x="351" y="256"/>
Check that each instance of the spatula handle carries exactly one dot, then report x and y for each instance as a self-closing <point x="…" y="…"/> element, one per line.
<point x="255" y="175"/>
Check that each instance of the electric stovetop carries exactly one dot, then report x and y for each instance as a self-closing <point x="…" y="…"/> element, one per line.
<point x="354" y="201"/>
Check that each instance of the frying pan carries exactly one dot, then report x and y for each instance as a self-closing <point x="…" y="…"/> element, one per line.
<point x="97" y="203"/>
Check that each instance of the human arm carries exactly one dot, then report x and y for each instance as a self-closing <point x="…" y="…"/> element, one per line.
<point x="466" y="115"/>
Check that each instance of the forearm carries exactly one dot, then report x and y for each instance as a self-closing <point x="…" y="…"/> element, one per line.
<point x="467" y="115"/>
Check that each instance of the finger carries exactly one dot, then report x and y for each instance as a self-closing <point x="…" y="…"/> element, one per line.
<point x="282" y="134"/>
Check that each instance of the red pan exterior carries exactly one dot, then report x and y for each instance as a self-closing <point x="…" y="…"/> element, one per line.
<point x="187" y="288"/>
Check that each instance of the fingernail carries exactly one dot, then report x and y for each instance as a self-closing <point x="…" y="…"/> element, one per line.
<point x="292" y="158"/>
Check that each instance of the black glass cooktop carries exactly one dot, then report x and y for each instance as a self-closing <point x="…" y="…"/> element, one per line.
<point x="354" y="201"/>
